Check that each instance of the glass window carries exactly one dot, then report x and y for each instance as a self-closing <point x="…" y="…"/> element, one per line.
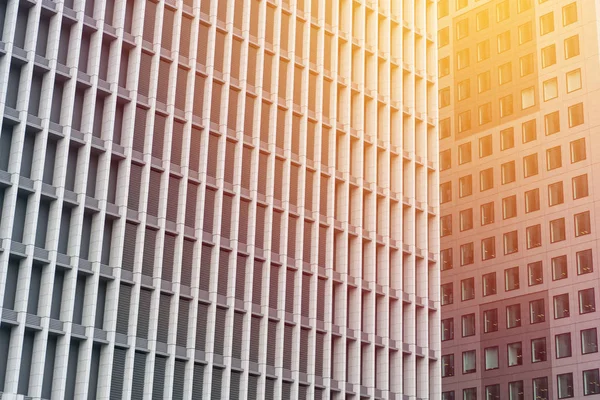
<point x="563" y="345"/>
<point x="470" y="394"/>
<point x="534" y="236"/>
<point x="583" y="226"/>
<point x="536" y="273"/>
<point x="489" y="284"/>
<point x="507" y="139"/>
<point x="468" y="325"/>
<point x="502" y="11"/>
<point x="445" y="160"/>
<point x="490" y="320"/>
<point x="580" y="187"/>
<point x="445" y="128"/>
<point x="525" y="32"/>
<point x="540" y="388"/>
<point x="467" y="289"/>
<point x="446" y="259"/>
<point x="552" y="122"/>
<point x="462" y="59"/>
<point x="576" y="115"/>
<point x="505" y="73"/>
<point x="443" y="67"/>
<point x="555" y="194"/>
<point x="524" y="5"/>
<point x="538" y="350"/>
<point x="591" y="382"/>
<point x="483" y="50"/>
<point x="530" y="165"/>
<point x="469" y="362"/>
<point x="491" y="358"/>
<point x="443" y="8"/>
<point x="548" y="56"/>
<point x="587" y="301"/>
<point x="532" y="200"/>
<point x="464" y="153"/>
<point x="557" y="230"/>
<point x="482" y="20"/>
<point x="464" y="89"/>
<point x="515" y="390"/>
<point x="513" y="316"/>
<point x="506" y="106"/>
<point x="462" y="29"/>
<point x="447" y="365"/>
<point x="569" y="13"/>
<point x="589" y="341"/>
<point x="503" y="42"/>
<point x="445" y="192"/>
<point x="464" y="121"/>
<point x="492" y="392"/>
<point x="511" y="279"/>
<point x="511" y="242"/>
<point x="550" y="89"/>
<point x="486" y="179"/>
<point x="466" y="219"/>
<point x="536" y="311"/>
<point x="446" y="225"/>
<point x="585" y="263"/>
<point x="571" y="47"/>
<point x="485" y="146"/>
<point x="578" y="152"/>
<point x="467" y="251"/>
<point x="573" y="80"/>
<point x="529" y="131"/>
<point x="559" y="267"/>
<point x="443" y="37"/>
<point x="447" y="329"/>
<point x="561" y="306"/>
<point x="509" y="207"/>
<point x="465" y="186"/>
<point x="447" y="294"/>
<point x="488" y="248"/>
<point x="509" y="172"/>
<point x="448" y="395"/>
<point x="484" y="82"/>
<point x="461" y="4"/>
<point x="527" y="97"/>
<point x="546" y="23"/>
<point x="487" y="213"/>
<point x="564" y="385"/>
<point x="515" y="354"/>
<point x="444" y="97"/>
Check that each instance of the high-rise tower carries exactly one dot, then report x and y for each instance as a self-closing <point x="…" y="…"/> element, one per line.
<point x="518" y="90"/>
<point x="219" y="199"/>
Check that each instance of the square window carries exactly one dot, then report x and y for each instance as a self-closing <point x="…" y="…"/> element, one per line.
<point x="534" y="236"/>
<point x="555" y="194"/>
<point x="486" y="179"/>
<point x="464" y="121"/>
<point x="561" y="306"/>
<point x="524" y="5"/>
<point x="447" y="365"/>
<point x="589" y="341"/>
<point x="580" y="187"/>
<point x="537" y="313"/>
<point x="506" y="106"/>
<point x="583" y="226"/>
<point x="585" y="263"/>
<point x="571" y="47"/>
<point x="530" y="165"/>
<point x="447" y="329"/>
<point x="446" y="259"/>
<point x="491" y="360"/>
<point x="445" y="192"/>
<point x="509" y="173"/>
<point x="569" y="14"/>
<point x="552" y="122"/>
<point x="465" y="186"/>
<point x="444" y="97"/>
<point x="536" y="273"/>
<point x="446" y="225"/>
<point x="515" y="354"/>
<point x="548" y="56"/>
<point x="587" y="301"/>
<point x="466" y="219"/>
<point x="468" y="325"/>
<point x="445" y="128"/>
<point x="482" y="20"/>
<point x="559" y="268"/>
<point x="462" y="59"/>
<point x="490" y="320"/>
<point x="527" y="98"/>
<point x="504" y="73"/>
<point x="443" y="8"/>
<point x="464" y="153"/>
<point x="511" y="242"/>
<point x="463" y="90"/>
<point x="469" y="362"/>
<point x="483" y="50"/>
<point x="489" y="283"/>
<point x="485" y="113"/>
<point x="532" y="200"/>
<point x="563" y="345"/>
<point x="538" y="350"/>
<point x="576" y="115"/>
<point x="484" y="81"/>
<point x="546" y="23"/>
<point x="492" y="392"/>
<point x="485" y="146"/>
<point x="529" y="131"/>
<point x="513" y="316"/>
<point x="448" y="395"/>
<point x="511" y="279"/>
<point x="557" y="230"/>
<point x="467" y="289"/>
<point x="502" y="11"/>
<point x="509" y="207"/>
<point x="550" y="89"/>
<point x="503" y="42"/>
<point x="445" y="160"/>
<point x="444" y="67"/>
<point x="573" y="80"/>
<point x="516" y="391"/>
<point x="591" y="382"/>
<point x="461" y="4"/>
<point x="553" y="158"/>
<point x="507" y="139"/>
<point x="540" y="388"/>
<point x="462" y="29"/>
<point x="487" y="213"/>
<point x="578" y="152"/>
<point x="443" y="37"/>
<point x="467" y="254"/>
<point x="527" y="64"/>
<point x="447" y="293"/>
<point x="525" y="32"/>
<point x="470" y="394"/>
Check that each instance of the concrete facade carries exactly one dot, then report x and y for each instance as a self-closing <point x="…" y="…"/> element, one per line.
<point x="219" y="199"/>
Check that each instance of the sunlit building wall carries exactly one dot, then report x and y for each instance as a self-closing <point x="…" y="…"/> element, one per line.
<point x="518" y="95"/>
<point x="219" y="199"/>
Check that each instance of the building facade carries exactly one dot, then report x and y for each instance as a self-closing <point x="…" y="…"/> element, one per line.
<point x="518" y="89"/>
<point x="219" y="199"/>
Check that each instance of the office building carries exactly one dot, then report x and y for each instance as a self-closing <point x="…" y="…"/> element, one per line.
<point x="518" y="88"/>
<point x="219" y="199"/>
